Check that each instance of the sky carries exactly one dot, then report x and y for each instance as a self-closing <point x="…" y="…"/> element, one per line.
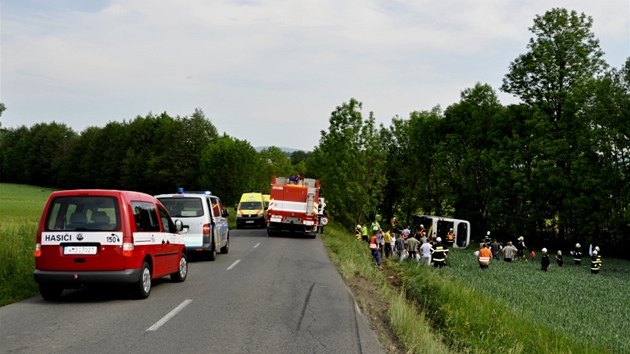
<point x="266" y="71"/>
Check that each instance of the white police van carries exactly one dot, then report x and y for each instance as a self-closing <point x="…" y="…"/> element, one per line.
<point x="205" y="226"/>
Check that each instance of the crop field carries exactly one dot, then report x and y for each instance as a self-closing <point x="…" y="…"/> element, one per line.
<point x="20" y="209"/>
<point x="591" y="309"/>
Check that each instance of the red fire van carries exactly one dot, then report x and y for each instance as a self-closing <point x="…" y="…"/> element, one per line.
<point x="88" y="237"/>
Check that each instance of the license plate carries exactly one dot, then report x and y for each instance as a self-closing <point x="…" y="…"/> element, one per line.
<point x="291" y="220"/>
<point x="249" y="221"/>
<point x="79" y="250"/>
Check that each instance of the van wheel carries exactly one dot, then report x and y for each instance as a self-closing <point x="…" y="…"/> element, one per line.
<point x="212" y="255"/>
<point x="143" y="286"/>
<point x="182" y="271"/>
<point x="50" y="292"/>
<point x="225" y="249"/>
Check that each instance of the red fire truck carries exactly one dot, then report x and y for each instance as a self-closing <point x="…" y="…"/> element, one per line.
<point x="293" y="206"/>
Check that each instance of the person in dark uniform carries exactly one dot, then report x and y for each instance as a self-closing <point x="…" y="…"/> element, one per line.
<point x="544" y="262"/>
<point x="495" y="247"/>
<point x="577" y="254"/>
<point x="596" y="263"/>
<point x="487" y="238"/>
<point x="559" y="258"/>
<point x="439" y="254"/>
<point x="520" y="248"/>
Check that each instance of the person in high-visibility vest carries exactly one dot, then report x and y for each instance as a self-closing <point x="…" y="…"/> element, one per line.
<point x="596" y="263"/>
<point x="387" y="239"/>
<point x="450" y="238"/>
<point x="439" y="254"/>
<point x="364" y="233"/>
<point x="375" y="248"/>
<point x="484" y="256"/>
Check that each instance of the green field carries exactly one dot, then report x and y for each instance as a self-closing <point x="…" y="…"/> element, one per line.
<point x="20" y="209"/>
<point x="591" y="309"/>
<point x="508" y="308"/>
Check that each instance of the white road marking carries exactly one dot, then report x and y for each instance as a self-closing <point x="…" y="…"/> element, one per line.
<point x="169" y="315"/>
<point x="258" y="244"/>
<point x="234" y="264"/>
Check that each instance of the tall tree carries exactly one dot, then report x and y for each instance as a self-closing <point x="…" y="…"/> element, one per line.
<point x="468" y="151"/>
<point x="554" y="77"/>
<point x="276" y="163"/>
<point x="411" y="163"/>
<point x="2" y="109"/>
<point x="229" y="166"/>
<point x="49" y="143"/>
<point x="349" y="162"/>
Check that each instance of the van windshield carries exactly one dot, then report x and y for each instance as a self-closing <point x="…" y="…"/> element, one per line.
<point x="183" y="207"/>
<point x="250" y="206"/>
<point x="83" y="213"/>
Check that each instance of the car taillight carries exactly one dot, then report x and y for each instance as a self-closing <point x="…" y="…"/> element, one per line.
<point x="206" y="229"/>
<point x="38" y="250"/>
<point x="127" y="249"/>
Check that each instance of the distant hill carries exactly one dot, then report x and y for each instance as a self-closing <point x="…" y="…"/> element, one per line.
<point x="285" y="149"/>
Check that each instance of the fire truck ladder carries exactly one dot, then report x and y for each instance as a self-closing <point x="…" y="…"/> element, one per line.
<point x="310" y="197"/>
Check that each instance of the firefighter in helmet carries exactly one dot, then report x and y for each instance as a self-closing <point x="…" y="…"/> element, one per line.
<point x="596" y="263"/>
<point x="520" y="248"/>
<point x="439" y="254"/>
<point x="487" y="238"/>
<point x="577" y="254"/>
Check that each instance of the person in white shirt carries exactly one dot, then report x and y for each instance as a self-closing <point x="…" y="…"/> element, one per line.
<point x="425" y="249"/>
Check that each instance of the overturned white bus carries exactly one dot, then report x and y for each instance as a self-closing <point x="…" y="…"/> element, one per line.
<point x="438" y="226"/>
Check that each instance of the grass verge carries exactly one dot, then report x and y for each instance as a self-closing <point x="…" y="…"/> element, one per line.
<point x="401" y="328"/>
<point x="20" y="209"/>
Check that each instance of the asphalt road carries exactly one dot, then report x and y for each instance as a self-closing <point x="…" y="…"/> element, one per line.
<point x="267" y="295"/>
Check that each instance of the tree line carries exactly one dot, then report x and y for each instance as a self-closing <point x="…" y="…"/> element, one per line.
<point x="153" y="154"/>
<point x="553" y="168"/>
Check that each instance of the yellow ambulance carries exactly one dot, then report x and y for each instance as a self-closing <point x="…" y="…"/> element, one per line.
<point x="251" y="211"/>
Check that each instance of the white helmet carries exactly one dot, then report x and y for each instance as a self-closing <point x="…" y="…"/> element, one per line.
<point x="358" y="226"/>
<point x="521" y="238"/>
<point x="488" y="233"/>
<point x="451" y="229"/>
<point x="596" y="248"/>
<point x="544" y="250"/>
<point x="439" y="239"/>
<point x="421" y="226"/>
<point x="577" y="245"/>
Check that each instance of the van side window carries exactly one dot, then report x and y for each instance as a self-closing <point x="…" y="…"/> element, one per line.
<point x="145" y="216"/>
<point x="216" y="207"/>
<point x="167" y="223"/>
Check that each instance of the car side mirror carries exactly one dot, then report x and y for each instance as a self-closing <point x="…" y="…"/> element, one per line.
<point x="179" y="225"/>
<point x="226" y="213"/>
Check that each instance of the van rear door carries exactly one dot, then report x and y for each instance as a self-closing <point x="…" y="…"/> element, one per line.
<point x="82" y="232"/>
